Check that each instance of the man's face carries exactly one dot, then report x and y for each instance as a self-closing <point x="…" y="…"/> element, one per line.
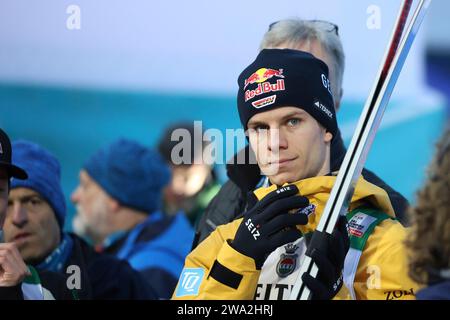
<point x="91" y="201"/>
<point x="3" y="195"/>
<point x="31" y="224"/>
<point x="289" y="144"/>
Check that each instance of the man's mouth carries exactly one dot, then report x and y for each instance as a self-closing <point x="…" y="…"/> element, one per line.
<point x="282" y="161"/>
<point x="21" y="237"/>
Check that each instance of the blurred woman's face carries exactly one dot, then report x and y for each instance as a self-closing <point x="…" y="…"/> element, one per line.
<point x="186" y="182"/>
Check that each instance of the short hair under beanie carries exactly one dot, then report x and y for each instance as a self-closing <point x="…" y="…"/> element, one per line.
<point x="285" y="77"/>
<point x="44" y="175"/>
<point x="131" y="173"/>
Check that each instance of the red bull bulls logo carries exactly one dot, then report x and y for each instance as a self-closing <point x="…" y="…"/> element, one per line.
<point x="263" y="75"/>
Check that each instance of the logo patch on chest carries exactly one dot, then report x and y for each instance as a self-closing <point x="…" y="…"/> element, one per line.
<point x="288" y="261"/>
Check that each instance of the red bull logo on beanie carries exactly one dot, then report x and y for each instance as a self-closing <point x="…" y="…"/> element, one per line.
<point x="262" y="75"/>
<point x="265" y="87"/>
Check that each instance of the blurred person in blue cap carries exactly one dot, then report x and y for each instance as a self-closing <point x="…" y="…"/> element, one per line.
<point x="35" y="220"/>
<point x="119" y="202"/>
<point x="19" y="281"/>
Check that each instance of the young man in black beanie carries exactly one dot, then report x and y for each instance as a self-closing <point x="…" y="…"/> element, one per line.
<point x="321" y="39"/>
<point x="286" y="106"/>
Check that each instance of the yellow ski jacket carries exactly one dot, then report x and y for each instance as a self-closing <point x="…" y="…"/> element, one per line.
<point x="375" y="267"/>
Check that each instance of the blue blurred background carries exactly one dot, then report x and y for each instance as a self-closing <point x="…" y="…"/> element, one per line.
<point x="134" y="67"/>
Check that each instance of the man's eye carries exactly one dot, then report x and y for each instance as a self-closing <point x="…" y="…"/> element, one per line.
<point x="261" y="129"/>
<point x="35" y="201"/>
<point x="293" y="122"/>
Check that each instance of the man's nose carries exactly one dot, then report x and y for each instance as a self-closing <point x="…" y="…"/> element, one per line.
<point x="19" y="214"/>
<point x="276" y="140"/>
<point x="75" y="196"/>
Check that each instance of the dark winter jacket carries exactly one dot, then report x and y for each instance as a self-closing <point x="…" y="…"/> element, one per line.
<point x="103" y="276"/>
<point x="157" y="248"/>
<point x="44" y="285"/>
<point x="439" y="291"/>
<point x="93" y="275"/>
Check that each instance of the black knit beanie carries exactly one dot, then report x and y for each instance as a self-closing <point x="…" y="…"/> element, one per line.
<point x="285" y="77"/>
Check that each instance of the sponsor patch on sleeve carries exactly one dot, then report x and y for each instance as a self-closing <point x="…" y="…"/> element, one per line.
<point x="190" y="281"/>
<point x="359" y="224"/>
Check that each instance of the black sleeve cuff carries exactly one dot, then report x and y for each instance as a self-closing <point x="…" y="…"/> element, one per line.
<point x="11" y="293"/>
<point x="224" y="275"/>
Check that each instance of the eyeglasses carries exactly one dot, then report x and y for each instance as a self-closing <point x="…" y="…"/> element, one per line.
<point x="330" y="26"/>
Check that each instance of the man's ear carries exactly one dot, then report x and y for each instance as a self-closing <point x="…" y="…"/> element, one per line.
<point x="328" y="136"/>
<point x="114" y="205"/>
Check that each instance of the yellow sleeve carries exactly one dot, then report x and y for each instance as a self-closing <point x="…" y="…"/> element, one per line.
<point x="196" y="282"/>
<point x="383" y="268"/>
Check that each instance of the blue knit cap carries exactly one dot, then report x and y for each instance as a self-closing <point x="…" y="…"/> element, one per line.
<point x="44" y="175"/>
<point x="131" y="173"/>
